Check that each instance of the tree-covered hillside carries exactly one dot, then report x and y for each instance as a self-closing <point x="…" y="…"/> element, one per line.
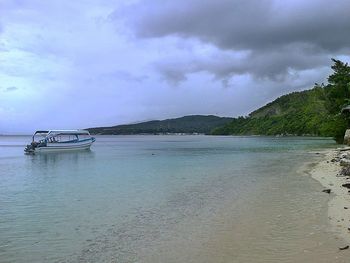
<point x="312" y="112"/>
<point x="187" y="124"/>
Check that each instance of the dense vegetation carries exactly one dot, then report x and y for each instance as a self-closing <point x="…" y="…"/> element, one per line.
<point x="312" y="112"/>
<point x="188" y="124"/>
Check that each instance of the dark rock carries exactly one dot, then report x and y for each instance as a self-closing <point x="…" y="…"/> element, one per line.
<point x="347" y="185"/>
<point x="345" y="163"/>
<point x="345" y="207"/>
<point x="343" y="248"/>
<point x="346" y="156"/>
<point x="328" y="191"/>
<point x="345" y="171"/>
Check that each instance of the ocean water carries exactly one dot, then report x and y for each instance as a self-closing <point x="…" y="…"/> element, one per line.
<point x="166" y="199"/>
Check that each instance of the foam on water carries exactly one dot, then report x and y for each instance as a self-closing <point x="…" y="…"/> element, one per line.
<point x="165" y="199"/>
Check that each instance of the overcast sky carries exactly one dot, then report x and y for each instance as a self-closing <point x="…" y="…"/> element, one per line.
<point x="86" y="63"/>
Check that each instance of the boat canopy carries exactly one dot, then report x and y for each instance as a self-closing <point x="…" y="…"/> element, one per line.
<point x="41" y="132"/>
<point x="67" y="132"/>
<point x="52" y="133"/>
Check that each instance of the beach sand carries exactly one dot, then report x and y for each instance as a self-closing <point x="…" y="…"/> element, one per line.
<point x="327" y="172"/>
<point x="274" y="233"/>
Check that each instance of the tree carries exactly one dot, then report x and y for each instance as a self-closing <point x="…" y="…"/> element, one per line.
<point x="338" y="89"/>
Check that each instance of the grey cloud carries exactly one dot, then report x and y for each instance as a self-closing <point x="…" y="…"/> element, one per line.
<point x="119" y="75"/>
<point x="10" y="89"/>
<point x="278" y="35"/>
<point x="240" y="24"/>
<point x="126" y="76"/>
<point x="272" y="65"/>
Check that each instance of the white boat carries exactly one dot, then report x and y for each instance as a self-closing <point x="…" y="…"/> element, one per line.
<point x="60" y="140"/>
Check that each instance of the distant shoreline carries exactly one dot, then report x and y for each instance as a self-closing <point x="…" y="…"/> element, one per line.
<point x="194" y="134"/>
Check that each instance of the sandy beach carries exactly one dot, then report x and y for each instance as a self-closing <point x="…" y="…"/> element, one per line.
<point x="328" y="173"/>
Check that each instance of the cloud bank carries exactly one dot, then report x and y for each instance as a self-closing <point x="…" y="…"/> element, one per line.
<point x="77" y="64"/>
<point x="276" y="37"/>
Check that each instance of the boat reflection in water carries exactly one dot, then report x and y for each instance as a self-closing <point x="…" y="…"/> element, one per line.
<point x="60" y="160"/>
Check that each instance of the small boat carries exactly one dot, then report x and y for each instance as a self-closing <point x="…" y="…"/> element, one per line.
<point x="60" y="140"/>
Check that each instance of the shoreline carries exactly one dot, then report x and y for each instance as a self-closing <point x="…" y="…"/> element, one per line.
<point x="327" y="172"/>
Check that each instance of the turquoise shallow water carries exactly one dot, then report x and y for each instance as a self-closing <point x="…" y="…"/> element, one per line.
<point x="163" y="199"/>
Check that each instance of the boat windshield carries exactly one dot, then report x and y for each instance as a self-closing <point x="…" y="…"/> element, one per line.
<point x="67" y="136"/>
<point x="53" y="136"/>
<point x="40" y="134"/>
<point x="62" y="138"/>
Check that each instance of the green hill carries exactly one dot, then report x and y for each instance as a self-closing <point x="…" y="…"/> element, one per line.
<point x="298" y="113"/>
<point x="187" y="124"/>
<point x="314" y="112"/>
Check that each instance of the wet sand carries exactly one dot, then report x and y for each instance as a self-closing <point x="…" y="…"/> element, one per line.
<point x="273" y="231"/>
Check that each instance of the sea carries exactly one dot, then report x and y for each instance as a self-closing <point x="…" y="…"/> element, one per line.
<point x="167" y="199"/>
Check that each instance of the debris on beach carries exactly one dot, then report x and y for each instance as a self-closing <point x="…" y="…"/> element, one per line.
<point x="343" y="248"/>
<point x="337" y="166"/>
<point x="345" y="171"/>
<point x="344" y="162"/>
<point x="344" y="149"/>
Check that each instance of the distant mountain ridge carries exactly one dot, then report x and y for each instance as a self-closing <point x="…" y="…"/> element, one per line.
<point x="201" y="124"/>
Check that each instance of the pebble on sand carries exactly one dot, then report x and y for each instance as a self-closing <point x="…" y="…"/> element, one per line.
<point x="343" y="248"/>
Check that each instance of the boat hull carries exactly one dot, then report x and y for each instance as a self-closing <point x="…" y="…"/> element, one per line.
<point x="60" y="147"/>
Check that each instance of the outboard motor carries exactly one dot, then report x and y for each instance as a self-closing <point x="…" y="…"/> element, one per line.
<point x="30" y="148"/>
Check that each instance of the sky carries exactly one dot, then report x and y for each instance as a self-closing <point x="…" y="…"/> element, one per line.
<point x="86" y="63"/>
